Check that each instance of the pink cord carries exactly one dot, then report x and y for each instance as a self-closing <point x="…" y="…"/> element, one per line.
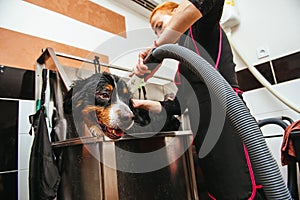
<point x="251" y="174"/>
<point x="191" y="31"/>
<point x="220" y="46"/>
<point x="178" y="81"/>
<point x="211" y="196"/>
<point x="197" y="51"/>
<point x="252" y="177"/>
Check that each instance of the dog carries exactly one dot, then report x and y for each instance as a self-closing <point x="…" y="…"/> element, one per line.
<point x="103" y="104"/>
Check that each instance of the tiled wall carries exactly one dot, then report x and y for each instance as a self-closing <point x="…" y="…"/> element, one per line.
<point x="275" y="71"/>
<point x="16" y="104"/>
<point x="284" y="76"/>
<point x="26" y="108"/>
<point x="8" y="149"/>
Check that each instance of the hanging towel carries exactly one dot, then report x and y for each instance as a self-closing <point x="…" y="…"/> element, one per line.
<point x="288" y="153"/>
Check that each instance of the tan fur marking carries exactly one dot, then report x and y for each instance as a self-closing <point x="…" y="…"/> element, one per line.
<point x="125" y="90"/>
<point x="79" y="103"/>
<point x="103" y="116"/>
<point x="109" y="87"/>
<point x="86" y="114"/>
<point x="101" y="113"/>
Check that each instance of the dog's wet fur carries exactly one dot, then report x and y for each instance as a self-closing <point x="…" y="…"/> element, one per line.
<point x="102" y="103"/>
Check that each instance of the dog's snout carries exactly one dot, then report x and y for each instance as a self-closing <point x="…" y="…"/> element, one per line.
<point x="124" y="116"/>
<point x="124" y="112"/>
<point x="126" y="122"/>
<point x="127" y="116"/>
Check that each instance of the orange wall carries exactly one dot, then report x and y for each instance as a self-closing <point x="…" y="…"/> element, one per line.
<point x="22" y="50"/>
<point x="86" y="12"/>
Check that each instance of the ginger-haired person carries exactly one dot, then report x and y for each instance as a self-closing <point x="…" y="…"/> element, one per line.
<point x="195" y="24"/>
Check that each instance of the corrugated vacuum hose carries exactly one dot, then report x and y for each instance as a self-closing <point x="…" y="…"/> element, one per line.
<point x="263" y="162"/>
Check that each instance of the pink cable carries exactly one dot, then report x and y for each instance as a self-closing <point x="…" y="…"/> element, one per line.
<point x="197" y="51"/>
<point x="220" y="46"/>
<point x="191" y="31"/>
<point x="211" y="196"/>
<point x="251" y="174"/>
<point x="254" y="186"/>
<point x="178" y="81"/>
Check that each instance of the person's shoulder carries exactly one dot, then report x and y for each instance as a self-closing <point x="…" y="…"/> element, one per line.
<point x="208" y="6"/>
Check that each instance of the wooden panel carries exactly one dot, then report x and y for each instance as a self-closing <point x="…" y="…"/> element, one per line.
<point x="86" y="12"/>
<point x="21" y="50"/>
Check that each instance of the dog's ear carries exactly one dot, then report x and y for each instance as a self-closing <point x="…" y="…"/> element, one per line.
<point x="141" y="116"/>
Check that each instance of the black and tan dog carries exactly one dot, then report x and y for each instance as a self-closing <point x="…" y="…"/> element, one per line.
<point x="101" y="105"/>
<point x="102" y="102"/>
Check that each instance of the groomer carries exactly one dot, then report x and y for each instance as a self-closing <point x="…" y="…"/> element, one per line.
<point x="195" y="24"/>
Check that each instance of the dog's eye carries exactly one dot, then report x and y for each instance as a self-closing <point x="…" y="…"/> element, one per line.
<point x="104" y="95"/>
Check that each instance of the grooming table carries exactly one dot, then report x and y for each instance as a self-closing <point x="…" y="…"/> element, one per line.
<point x="140" y="166"/>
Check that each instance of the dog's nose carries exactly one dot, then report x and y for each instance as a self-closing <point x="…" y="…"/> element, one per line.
<point x="125" y="116"/>
<point x="126" y="120"/>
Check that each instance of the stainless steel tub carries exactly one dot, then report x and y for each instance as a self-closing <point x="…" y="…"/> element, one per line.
<point x="140" y="166"/>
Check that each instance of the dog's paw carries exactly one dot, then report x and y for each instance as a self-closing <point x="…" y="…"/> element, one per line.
<point x="96" y="131"/>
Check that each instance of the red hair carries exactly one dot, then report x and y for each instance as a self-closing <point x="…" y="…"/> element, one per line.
<point x="166" y="7"/>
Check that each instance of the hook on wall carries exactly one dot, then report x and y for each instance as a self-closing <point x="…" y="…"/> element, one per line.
<point x="2" y="69"/>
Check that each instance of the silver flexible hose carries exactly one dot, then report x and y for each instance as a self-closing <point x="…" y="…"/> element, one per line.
<point x="263" y="162"/>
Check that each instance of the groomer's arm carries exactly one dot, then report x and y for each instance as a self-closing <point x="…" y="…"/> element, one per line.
<point x="184" y="16"/>
<point x="152" y="106"/>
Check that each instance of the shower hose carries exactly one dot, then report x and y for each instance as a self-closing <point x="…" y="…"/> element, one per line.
<point x="263" y="162"/>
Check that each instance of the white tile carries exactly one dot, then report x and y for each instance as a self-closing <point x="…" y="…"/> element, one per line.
<point x="25" y="143"/>
<point x="289" y="91"/>
<point x="260" y="101"/>
<point x="26" y="108"/>
<point x="291" y="114"/>
<point x="23" y="187"/>
<point x="272" y="129"/>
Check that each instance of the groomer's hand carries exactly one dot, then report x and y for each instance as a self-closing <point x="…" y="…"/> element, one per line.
<point x="152" y="106"/>
<point x="140" y="68"/>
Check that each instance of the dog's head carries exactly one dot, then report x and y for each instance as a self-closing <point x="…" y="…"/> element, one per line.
<point x="102" y="102"/>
